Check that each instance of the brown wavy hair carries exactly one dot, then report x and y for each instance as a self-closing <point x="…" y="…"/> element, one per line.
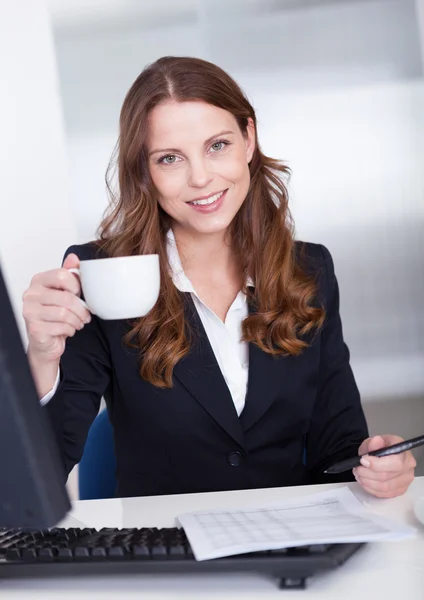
<point x="262" y="235"/>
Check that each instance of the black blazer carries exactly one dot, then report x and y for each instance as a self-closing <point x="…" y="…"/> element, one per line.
<point x="301" y="414"/>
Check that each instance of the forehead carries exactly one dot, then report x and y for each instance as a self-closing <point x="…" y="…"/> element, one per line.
<point x="174" y="123"/>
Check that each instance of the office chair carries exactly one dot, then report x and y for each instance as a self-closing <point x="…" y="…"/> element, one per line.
<point x="96" y="470"/>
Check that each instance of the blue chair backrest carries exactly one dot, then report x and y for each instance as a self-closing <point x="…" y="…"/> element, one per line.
<point x="96" y="470"/>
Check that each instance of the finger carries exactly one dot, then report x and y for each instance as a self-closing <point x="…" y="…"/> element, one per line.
<point x="386" y="485"/>
<point x="378" y="494"/>
<point x="60" y="314"/>
<point x="391" y="439"/>
<point x="51" y="297"/>
<point x="364" y="474"/>
<point x="379" y="441"/>
<point x="388" y="489"/>
<point x="394" y="462"/>
<point x="370" y="444"/>
<point x="385" y="488"/>
<point x="59" y="279"/>
<point x="71" y="262"/>
<point x="43" y="332"/>
<point x="66" y="300"/>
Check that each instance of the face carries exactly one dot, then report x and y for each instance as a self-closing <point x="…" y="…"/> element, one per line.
<point x="198" y="160"/>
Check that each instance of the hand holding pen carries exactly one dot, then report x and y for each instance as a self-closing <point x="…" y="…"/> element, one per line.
<point x="383" y="476"/>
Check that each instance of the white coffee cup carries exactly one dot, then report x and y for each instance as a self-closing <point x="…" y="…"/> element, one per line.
<point x="124" y="287"/>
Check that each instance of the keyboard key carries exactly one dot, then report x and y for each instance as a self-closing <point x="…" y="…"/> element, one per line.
<point x="29" y="554"/>
<point x="98" y="553"/>
<point x="46" y="554"/>
<point x="108" y="530"/>
<point x="177" y="551"/>
<point x="116" y="552"/>
<point x="72" y="533"/>
<point x="87" y="531"/>
<point x="159" y="552"/>
<point x="14" y="554"/>
<point x="140" y="551"/>
<point x="81" y="553"/>
<point x="65" y="554"/>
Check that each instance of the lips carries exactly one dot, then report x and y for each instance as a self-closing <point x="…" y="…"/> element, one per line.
<point x="210" y="204"/>
<point x="206" y="200"/>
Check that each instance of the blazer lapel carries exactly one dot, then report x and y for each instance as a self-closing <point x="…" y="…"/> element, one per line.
<point x="267" y="374"/>
<point x="200" y="374"/>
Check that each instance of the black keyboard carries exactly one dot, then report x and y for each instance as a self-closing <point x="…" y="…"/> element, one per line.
<point x="73" y="551"/>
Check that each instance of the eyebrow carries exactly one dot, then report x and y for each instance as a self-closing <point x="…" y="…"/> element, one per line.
<point x="178" y="151"/>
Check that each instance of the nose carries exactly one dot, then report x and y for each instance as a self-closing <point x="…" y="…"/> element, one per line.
<point x="199" y="175"/>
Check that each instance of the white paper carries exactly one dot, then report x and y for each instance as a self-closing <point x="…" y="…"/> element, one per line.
<point x="336" y="516"/>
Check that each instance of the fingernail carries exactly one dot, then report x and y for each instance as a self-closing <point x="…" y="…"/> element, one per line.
<point x="365" y="462"/>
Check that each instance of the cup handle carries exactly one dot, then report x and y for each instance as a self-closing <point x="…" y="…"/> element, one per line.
<point x="78" y="273"/>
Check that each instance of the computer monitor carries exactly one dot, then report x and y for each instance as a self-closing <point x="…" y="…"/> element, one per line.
<point x="32" y="490"/>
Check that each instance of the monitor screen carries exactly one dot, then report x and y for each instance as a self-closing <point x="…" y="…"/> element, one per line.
<point x="32" y="490"/>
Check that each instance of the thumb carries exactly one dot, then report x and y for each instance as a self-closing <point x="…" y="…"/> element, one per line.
<point x="371" y="444"/>
<point x="71" y="262"/>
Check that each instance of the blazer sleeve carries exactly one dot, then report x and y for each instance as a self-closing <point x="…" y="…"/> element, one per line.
<point x="338" y="424"/>
<point x="85" y="370"/>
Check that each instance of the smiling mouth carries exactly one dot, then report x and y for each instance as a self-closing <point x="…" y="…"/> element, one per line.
<point x="206" y="201"/>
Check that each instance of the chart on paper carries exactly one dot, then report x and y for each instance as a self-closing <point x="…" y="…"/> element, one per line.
<point x="329" y="517"/>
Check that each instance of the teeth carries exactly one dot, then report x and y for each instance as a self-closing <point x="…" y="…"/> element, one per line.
<point x="210" y="200"/>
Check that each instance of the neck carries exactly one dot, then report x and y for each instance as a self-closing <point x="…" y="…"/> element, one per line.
<point x="205" y="253"/>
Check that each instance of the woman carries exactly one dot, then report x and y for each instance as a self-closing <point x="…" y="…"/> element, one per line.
<point x="239" y="376"/>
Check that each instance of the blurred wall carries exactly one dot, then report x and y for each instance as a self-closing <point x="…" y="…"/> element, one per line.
<point x="339" y="92"/>
<point x="36" y="216"/>
<point x="419" y="6"/>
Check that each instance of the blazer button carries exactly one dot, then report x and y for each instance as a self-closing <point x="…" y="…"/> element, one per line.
<point x="235" y="458"/>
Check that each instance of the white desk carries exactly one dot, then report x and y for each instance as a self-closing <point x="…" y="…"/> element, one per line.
<point x="379" y="571"/>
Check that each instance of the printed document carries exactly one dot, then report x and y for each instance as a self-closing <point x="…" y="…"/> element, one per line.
<point x="335" y="516"/>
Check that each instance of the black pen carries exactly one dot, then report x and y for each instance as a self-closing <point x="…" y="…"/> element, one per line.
<point x="351" y="463"/>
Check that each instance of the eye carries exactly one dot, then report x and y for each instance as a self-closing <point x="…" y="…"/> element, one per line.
<point x="220" y="145"/>
<point x="169" y="159"/>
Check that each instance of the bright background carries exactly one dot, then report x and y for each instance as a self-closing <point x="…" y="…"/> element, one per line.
<point x="338" y="88"/>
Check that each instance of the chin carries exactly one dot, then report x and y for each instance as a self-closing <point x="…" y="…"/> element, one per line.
<point x="211" y="228"/>
<point x="219" y="224"/>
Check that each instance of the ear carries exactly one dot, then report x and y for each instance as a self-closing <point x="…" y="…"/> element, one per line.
<point x="250" y="139"/>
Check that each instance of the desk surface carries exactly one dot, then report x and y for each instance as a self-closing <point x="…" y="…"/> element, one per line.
<point x="391" y="570"/>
